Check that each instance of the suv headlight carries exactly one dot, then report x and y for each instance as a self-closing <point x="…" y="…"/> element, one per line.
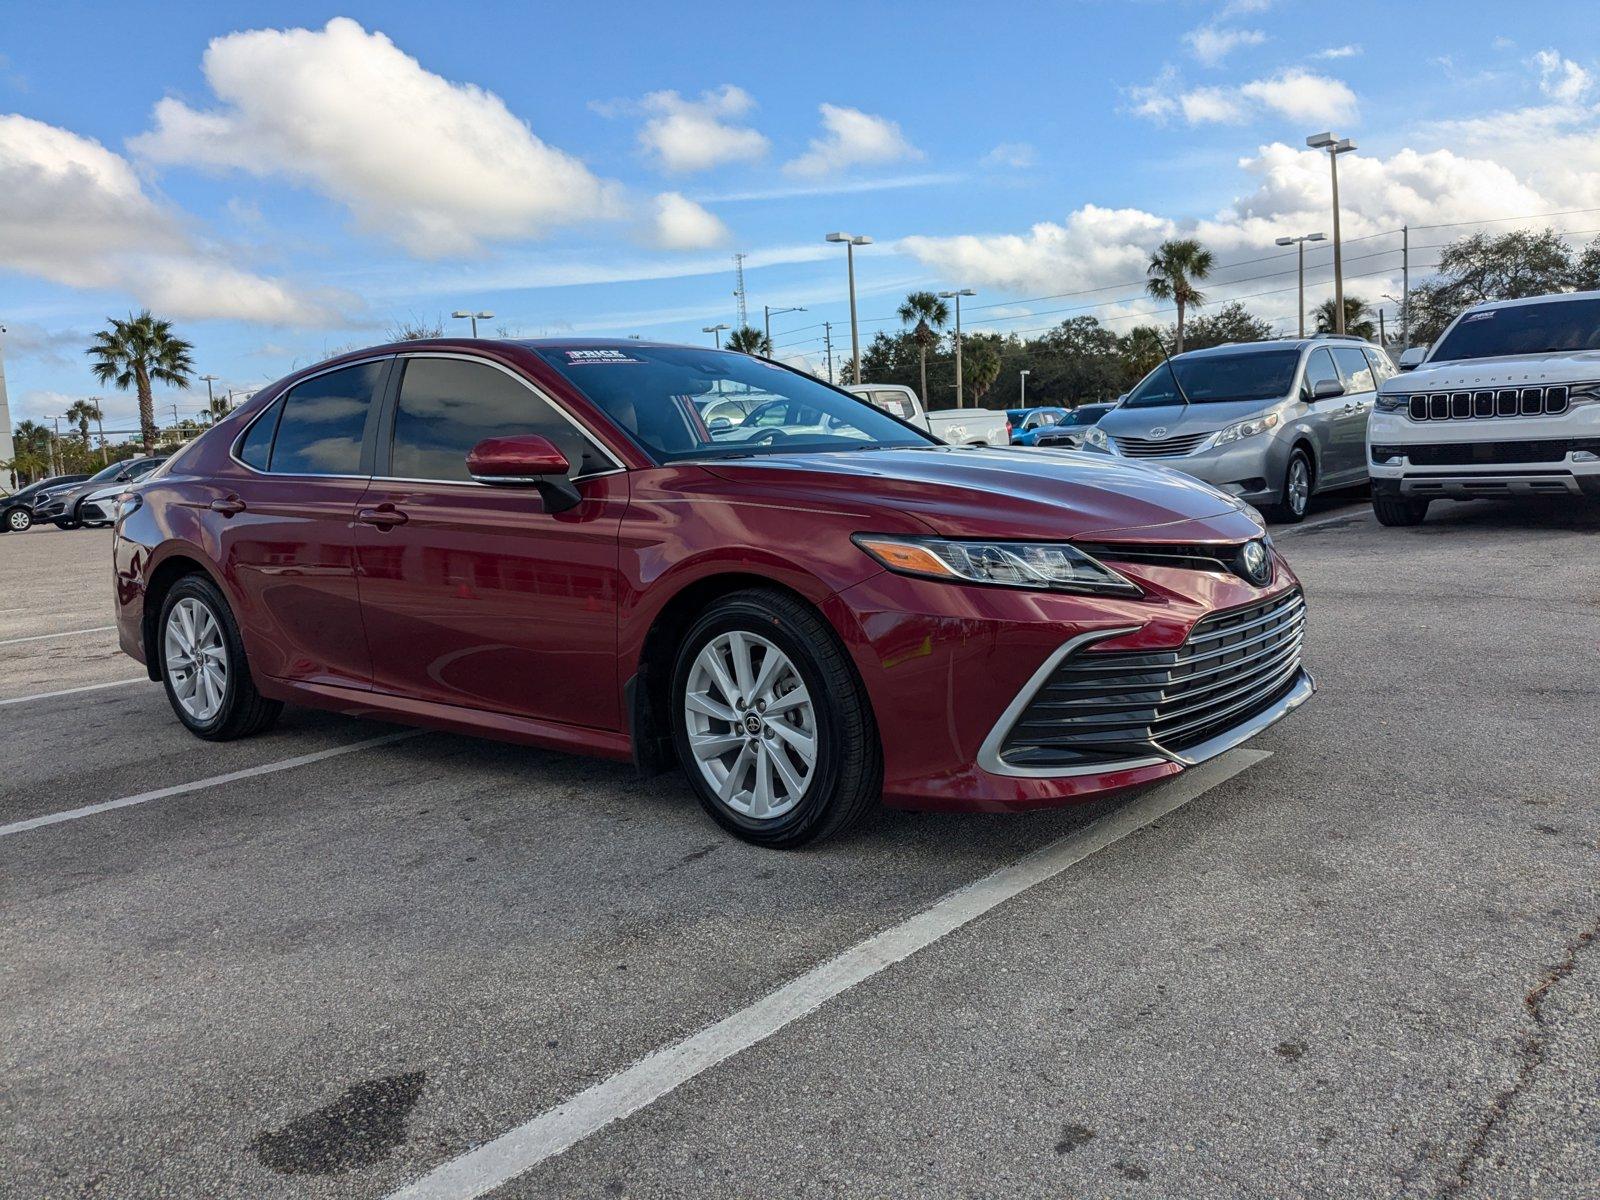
<point x="1096" y="437"/>
<point x="1392" y="402"/>
<point x="1043" y="566"/>
<point x="1246" y="429"/>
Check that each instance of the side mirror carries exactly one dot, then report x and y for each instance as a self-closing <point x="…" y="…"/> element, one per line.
<point x="1327" y="389"/>
<point x="718" y="424"/>
<point x="525" y="460"/>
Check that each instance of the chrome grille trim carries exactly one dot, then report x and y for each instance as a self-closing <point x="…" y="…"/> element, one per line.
<point x="1170" y="447"/>
<point x="1487" y="404"/>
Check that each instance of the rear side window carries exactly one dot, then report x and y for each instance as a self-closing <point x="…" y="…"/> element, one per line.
<point x="1319" y="367"/>
<point x="255" y="448"/>
<point x="1355" y="368"/>
<point x="324" y="422"/>
<point x="447" y="406"/>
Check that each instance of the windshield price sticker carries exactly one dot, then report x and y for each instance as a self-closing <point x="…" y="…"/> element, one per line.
<point x="579" y="358"/>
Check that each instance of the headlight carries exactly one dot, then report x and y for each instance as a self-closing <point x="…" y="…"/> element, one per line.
<point x="126" y="504"/>
<point x="1044" y="566"/>
<point x="1096" y="437"/>
<point x="1392" y="402"/>
<point x="1246" y="429"/>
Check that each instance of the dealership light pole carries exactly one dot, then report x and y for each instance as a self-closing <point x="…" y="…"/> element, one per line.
<point x="1022" y="390"/>
<point x="8" y="476"/>
<point x="1335" y="147"/>
<point x="716" y="333"/>
<point x="851" y="241"/>
<point x="474" y="317"/>
<point x="1301" y="242"/>
<point x="956" y="296"/>
<point x="767" y="313"/>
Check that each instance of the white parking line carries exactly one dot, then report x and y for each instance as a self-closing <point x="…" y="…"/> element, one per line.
<point x="89" y="810"/>
<point x="88" y="687"/>
<point x="1331" y="519"/>
<point x="652" y="1077"/>
<point x="45" y="637"/>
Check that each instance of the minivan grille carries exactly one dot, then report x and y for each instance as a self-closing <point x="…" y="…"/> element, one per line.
<point x="1184" y="443"/>
<point x="1097" y="708"/>
<point x="1486" y="405"/>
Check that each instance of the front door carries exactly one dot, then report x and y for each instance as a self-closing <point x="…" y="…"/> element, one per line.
<point x="1350" y="431"/>
<point x="472" y="594"/>
<point x="1323" y="417"/>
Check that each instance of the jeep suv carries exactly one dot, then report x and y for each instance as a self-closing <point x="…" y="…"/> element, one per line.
<point x="1507" y="403"/>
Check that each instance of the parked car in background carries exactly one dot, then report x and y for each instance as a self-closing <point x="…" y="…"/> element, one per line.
<point x="1271" y="422"/>
<point x="541" y="541"/>
<point x="954" y="426"/>
<point x="1068" y="433"/>
<point x="1507" y="403"/>
<point x="98" y="510"/>
<point x="16" y="510"/>
<point x="1024" y="425"/>
<point x="63" y="505"/>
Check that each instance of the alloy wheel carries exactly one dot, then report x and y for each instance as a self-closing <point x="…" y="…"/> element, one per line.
<point x="1299" y="486"/>
<point x="196" y="659"/>
<point x="751" y="724"/>
<point x="18" y="520"/>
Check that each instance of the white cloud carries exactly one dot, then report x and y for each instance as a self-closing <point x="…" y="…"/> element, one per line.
<point x="1560" y="78"/>
<point x="1347" y="51"/>
<point x="440" y="167"/>
<point x="693" y="135"/>
<point x="1302" y="96"/>
<point x="681" y="224"/>
<point x="1213" y="104"/>
<point x="1017" y="155"/>
<point x="1294" y="93"/>
<point x="77" y="214"/>
<point x="1212" y="44"/>
<point x="851" y="138"/>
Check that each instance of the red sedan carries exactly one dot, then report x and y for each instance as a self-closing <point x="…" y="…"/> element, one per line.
<point x="674" y="555"/>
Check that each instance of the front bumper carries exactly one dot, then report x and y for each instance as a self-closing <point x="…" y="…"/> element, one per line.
<point x="1250" y="469"/>
<point x="1508" y="457"/>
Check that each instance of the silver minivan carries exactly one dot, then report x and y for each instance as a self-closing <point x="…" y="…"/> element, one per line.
<point x="1270" y="422"/>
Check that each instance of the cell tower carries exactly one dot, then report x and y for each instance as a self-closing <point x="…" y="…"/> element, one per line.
<point x="738" y="275"/>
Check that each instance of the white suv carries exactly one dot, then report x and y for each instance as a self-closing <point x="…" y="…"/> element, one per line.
<point x="1507" y="403"/>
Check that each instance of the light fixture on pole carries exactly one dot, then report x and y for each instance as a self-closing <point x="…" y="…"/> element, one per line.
<point x="956" y="295"/>
<point x="1022" y="388"/>
<point x="474" y="317"/>
<point x="851" y="241"/>
<point x="1335" y="147"/>
<point x="716" y="333"/>
<point x="767" y="313"/>
<point x="1301" y="242"/>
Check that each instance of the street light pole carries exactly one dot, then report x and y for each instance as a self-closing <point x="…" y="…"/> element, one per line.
<point x="1022" y="390"/>
<point x="1335" y="147"/>
<point x="767" y="313"/>
<point x="851" y="241"/>
<point x="1301" y="242"/>
<point x="716" y="333"/>
<point x="474" y="317"/>
<point x="956" y="295"/>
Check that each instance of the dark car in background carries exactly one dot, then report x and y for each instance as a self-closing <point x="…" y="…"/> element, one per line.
<point x="64" y="505"/>
<point x="16" y="510"/>
<point x="1068" y="432"/>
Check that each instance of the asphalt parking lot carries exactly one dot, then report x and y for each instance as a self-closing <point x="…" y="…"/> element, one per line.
<point x="1363" y="963"/>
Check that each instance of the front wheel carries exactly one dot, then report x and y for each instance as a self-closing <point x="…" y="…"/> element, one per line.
<point x="1295" y="497"/>
<point x="204" y="668"/>
<point x="771" y="723"/>
<point x="18" y="520"/>
<point x="65" y="523"/>
<point x="1399" y="510"/>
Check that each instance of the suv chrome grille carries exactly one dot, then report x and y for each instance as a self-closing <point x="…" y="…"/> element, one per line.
<point x="1102" y="707"/>
<point x="1136" y="447"/>
<point x="1486" y="404"/>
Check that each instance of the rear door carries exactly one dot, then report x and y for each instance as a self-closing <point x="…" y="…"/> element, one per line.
<point x="1360" y="389"/>
<point x="474" y="595"/>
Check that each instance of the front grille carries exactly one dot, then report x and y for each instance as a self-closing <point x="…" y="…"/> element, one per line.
<point x="1489" y="404"/>
<point x="1101" y="707"/>
<point x="1184" y="443"/>
<point x="1193" y="556"/>
<point x="1463" y="454"/>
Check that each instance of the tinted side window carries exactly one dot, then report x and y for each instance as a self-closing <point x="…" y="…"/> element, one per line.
<point x="256" y="447"/>
<point x="1354" y="367"/>
<point x="323" y="422"/>
<point x="1319" y="367"/>
<point x="447" y="406"/>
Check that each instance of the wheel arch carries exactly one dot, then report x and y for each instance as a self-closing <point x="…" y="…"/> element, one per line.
<point x="163" y="577"/>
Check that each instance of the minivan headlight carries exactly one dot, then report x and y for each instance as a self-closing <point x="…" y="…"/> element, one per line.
<point x="1244" y="429"/>
<point x="1096" y="437"/>
<point x="1044" y="566"/>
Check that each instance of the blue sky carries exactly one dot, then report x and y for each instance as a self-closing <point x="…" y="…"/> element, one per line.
<point x="283" y="187"/>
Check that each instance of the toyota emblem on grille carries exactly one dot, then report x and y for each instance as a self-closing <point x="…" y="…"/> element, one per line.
<point x="1159" y="431"/>
<point x="1254" y="565"/>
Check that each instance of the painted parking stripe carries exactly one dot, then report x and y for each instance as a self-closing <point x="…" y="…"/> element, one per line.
<point x="654" y="1076"/>
<point x="46" y="637"/>
<point x="287" y="764"/>
<point x="88" y="687"/>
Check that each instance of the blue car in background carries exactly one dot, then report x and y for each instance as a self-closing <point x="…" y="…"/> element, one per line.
<point x="1067" y="432"/>
<point x="1026" y="424"/>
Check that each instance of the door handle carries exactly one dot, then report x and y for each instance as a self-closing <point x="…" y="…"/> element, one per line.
<point x="384" y="517"/>
<point x="228" y="507"/>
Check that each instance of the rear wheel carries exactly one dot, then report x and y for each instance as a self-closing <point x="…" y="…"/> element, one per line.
<point x="18" y="520"/>
<point x="771" y="724"/>
<point x="204" y="668"/>
<point x="1399" y="510"/>
<point x="1294" y="499"/>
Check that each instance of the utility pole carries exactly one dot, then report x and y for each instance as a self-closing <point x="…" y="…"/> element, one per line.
<point x="767" y="313"/>
<point x="1383" y="337"/>
<point x="211" y="399"/>
<point x="1405" y="288"/>
<point x="1335" y="147"/>
<point x="100" y="424"/>
<point x="957" y="294"/>
<point x="55" y="463"/>
<point x="738" y="290"/>
<point x="827" y="341"/>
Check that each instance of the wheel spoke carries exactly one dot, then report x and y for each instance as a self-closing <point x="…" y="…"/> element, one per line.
<point x="793" y="784"/>
<point x="804" y="744"/>
<point x="772" y="663"/>
<point x="712" y="661"/>
<point x="761" y="794"/>
<point x="790" y="700"/>
<point x="730" y="782"/>
<point x="743" y="674"/>
<point x="710" y="745"/>
<point x="701" y="702"/>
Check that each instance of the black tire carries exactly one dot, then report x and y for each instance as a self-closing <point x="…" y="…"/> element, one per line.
<point x="17" y="520"/>
<point x="1399" y="510"/>
<point x="847" y="777"/>
<point x="65" y="523"/>
<point x="244" y="710"/>
<point x="1295" y="501"/>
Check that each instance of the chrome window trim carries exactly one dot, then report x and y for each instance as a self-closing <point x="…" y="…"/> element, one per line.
<point x="245" y="432"/>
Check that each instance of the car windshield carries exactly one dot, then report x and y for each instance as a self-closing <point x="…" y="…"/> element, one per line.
<point x="1218" y="378"/>
<point x="683" y="403"/>
<point x="105" y="473"/>
<point x="1087" y="415"/>
<point x="1523" y="329"/>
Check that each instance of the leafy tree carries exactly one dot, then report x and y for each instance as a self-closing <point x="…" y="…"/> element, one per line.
<point x="1076" y="361"/>
<point x="1506" y="266"/>
<point x="1359" y="317"/>
<point x="415" y="329"/>
<point x="1586" y="272"/>
<point x="1141" y="349"/>
<point x="136" y="352"/>
<point x="748" y="340"/>
<point x="928" y="314"/>
<point x="1233" y="322"/>
<point x="1176" y="266"/>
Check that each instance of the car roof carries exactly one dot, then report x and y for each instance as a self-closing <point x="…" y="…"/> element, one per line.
<point x="1548" y="298"/>
<point x="1262" y="347"/>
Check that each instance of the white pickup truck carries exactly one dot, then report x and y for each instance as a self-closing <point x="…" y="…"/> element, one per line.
<point x="957" y="426"/>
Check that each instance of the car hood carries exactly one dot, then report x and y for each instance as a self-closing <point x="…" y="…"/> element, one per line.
<point x="1003" y="493"/>
<point x="1179" y="419"/>
<point x="1575" y="366"/>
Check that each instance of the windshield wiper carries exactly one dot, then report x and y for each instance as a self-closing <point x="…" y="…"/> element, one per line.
<point x="1176" y="382"/>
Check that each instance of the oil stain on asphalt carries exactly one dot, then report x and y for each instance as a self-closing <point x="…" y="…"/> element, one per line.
<point x="358" y="1129"/>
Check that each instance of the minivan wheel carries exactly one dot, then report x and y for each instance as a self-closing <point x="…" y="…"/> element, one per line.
<point x="18" y="520"/>
<point x="1295" y="497"/>
<point x="1399" y="510"/>
<point x="203" y="665"/>
<point x="771" y="723"/>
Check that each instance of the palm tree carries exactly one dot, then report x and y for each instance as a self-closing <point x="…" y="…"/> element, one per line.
<point x="929" y="314"/>
<point x="80" y="414"/>
<point x="748" y="341"/>
<point x="1358" y="316"/>
<point x="134" y="352"/>
<point x="1176" y="266"/>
